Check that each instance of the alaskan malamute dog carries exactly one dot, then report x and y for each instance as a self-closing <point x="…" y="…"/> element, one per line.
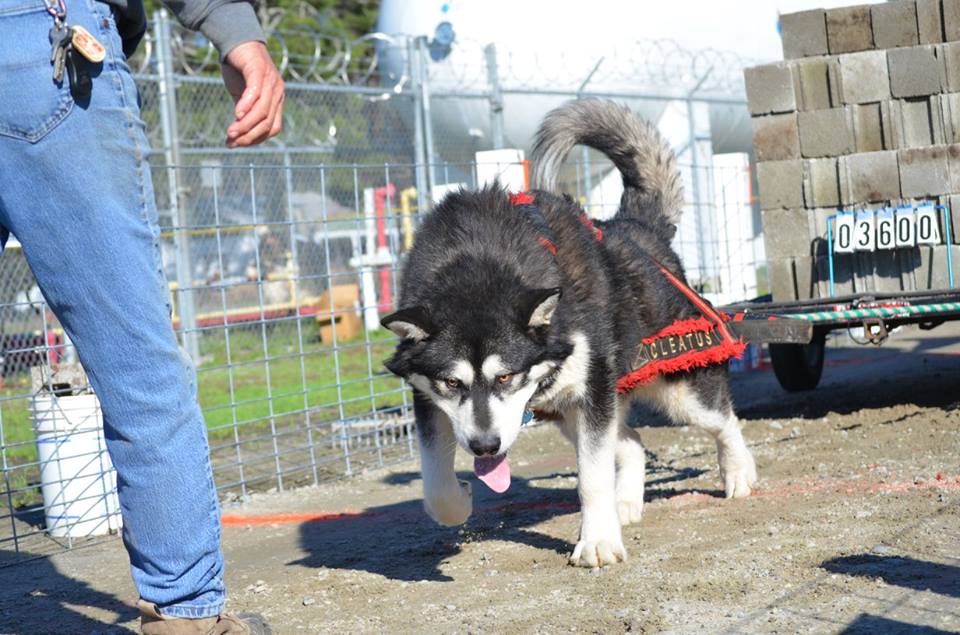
<point x="505" y="308"/>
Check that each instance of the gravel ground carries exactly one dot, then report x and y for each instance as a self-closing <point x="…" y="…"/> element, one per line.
<point x="854" y="528"/>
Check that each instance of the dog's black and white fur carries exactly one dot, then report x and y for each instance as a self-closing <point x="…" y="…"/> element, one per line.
<point x="492" y="322"/>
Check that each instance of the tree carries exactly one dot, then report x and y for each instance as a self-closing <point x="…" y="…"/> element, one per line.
<point x="353" y="17"/>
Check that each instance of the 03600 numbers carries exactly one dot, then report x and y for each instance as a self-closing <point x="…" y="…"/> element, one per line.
<point x="888" y="228"/>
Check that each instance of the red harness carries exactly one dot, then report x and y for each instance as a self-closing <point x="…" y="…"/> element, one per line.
<point x="680" y="346"/>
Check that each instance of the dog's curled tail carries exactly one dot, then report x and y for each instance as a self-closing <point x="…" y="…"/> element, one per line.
<point x="648" y="165"/>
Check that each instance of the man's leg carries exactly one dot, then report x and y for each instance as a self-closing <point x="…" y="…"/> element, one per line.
<point x="75" y="189"/>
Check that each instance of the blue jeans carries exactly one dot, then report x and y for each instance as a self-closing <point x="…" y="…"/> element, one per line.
<point x="75" y="190"/>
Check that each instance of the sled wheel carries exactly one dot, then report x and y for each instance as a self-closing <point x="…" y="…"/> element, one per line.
<point x="799" y="366"/>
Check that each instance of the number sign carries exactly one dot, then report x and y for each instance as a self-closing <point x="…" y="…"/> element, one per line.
<point x="886" y="232"/>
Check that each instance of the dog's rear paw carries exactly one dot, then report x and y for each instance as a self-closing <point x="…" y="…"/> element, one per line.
<point x="629" y="511"/>
<point x="598" y="553"/>
<point x="451" y="509"/>
<point x="739" y="472"/>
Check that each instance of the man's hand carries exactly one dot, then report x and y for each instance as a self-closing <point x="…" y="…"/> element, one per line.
<point x="257" y="90"/>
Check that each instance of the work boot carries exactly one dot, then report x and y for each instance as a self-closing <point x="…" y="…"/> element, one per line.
<point x="153" y="623"/>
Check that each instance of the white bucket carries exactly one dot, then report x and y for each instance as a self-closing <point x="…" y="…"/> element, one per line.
<point x="77" y="478"/>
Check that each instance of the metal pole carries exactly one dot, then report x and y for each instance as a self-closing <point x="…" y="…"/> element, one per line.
<point x="496" y="97"/>
<point x="695" y="187"/>
<point x="297" y="295"/>
<point x="427" y="117"/>
<point x="584" y="150"/>
<point x="420" y="159"/>
<point x="167" y="89"/>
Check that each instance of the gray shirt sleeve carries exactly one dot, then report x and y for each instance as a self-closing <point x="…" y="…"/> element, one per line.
<point x="226" y="23"/>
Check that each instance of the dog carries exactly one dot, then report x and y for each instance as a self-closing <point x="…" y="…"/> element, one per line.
<point x="509" y="307"/>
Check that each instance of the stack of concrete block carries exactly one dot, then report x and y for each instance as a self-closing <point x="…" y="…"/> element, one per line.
<point x="863" y="113"/>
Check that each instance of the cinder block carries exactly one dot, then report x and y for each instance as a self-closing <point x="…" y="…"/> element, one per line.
<point x="929" y="21"/>
<point x="825" y="133"/>
<point x="863" y="77"/>
<point x="915" y="71"/>
<point x="913" y="123"/>
<point x="923" y="172"/>
<point x="818" y="229"/>
<point x="922" y="122"/>
<point x="804" y="34"/>
<point x="817" y="78"/>
<point x="869" y="177"/>
<point x="849" y="29"/>
<point x="951" y="20"/>
<point x="783" y="284"/>
<point x="842" y="275"/>
<point x="863" y="280"/>
<point x="886" y="271"/>
<point x="950" y="113"/>
<point x="952" y="203"/>
<point x="868" y="133"/>
<point x="934" y="271"/>
<point x="953" y="168"/>
<point x="781" y="184"/>
<point x="818" y="222"/>
<point x="786" y="232"/>
<point x="894" y="24"/>
<point x="775" y="137"/>
<point x="949" y="54"/>
<point x="770" y="89"/>
<point x="805" y="275"/>
<point x="821" y="184"/>
<point x="890" y="120"/>
<point x="909" y="260"/>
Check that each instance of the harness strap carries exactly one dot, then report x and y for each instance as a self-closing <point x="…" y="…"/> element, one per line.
<point x="699" y="302"/>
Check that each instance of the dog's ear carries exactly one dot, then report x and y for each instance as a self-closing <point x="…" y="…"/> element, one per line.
<point x="538" y="306"/>
<point x="410" y="324"/>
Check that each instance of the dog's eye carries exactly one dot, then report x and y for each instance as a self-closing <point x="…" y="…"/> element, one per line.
<point x="453" y="383"/>
<point x="503" y="379"/>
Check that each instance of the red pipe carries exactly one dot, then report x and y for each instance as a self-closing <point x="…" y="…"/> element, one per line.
<point x="381" y="195"/>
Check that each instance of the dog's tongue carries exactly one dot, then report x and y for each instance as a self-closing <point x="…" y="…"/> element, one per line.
<point x="494" y="471"/>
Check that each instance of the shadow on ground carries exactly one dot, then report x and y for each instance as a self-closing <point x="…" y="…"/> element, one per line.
<point x="49" y="595"/>
<point x="858" y="379"/>
<point x="401" y="542"/>
<point x="867" y="624"/>
<point x="909" y="573"/>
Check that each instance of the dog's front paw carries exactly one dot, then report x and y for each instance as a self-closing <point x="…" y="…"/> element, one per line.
<point x="600" y="541"/>
<point x="738" y="471"/>
<point x="451" y="507"/>
<point x="598" y="553"/>
<point x="629" y="510"/>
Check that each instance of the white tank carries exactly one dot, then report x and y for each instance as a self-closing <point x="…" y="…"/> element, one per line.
<point x="661" y="48"/>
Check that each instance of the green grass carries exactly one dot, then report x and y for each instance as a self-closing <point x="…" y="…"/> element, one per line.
<point x="290" y="390"/>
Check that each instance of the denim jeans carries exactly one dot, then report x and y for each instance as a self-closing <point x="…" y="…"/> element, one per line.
<point x="75" y="189"/>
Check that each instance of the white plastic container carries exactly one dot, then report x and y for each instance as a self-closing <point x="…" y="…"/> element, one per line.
<point x="77" y="478"/>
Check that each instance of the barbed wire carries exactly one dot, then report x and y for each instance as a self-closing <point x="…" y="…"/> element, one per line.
<point x="661" y="66"/>
<point x="316" y="52"/>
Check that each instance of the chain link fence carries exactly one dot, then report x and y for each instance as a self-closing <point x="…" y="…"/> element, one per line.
<point x="281" y="258"/>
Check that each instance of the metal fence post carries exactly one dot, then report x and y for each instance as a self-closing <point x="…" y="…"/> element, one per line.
<point x="422" y="58"/>
<point x="167" y="93"/>
<point x="496" y="96"/>
<point x="584" y="150"/>
<point x="419" y="152"/>
<point x="701" y="156"/>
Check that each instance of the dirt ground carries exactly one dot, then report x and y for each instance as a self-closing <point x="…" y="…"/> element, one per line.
<point x="854" y="528"/>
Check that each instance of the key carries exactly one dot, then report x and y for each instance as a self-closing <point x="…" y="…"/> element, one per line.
<point x="59" y="42"/>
